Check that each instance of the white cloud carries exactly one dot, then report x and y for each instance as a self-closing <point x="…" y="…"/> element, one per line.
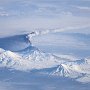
<point x="4" y="14"/>
<point x="52" y="39"/>
<point x="73" y="29"/>
<point x="67" y="13"/>
<point x="46" y="14"/>
<point x="83" y="8"/>
<point x="67" y="29"/>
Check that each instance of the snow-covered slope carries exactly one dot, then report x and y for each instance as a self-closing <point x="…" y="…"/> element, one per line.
<point x="31" y="58"/>
<point x="27" y="60"/>
<point x="78" y="70"/>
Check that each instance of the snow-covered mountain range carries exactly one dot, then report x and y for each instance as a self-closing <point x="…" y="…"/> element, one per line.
<point x="29" y="58"/>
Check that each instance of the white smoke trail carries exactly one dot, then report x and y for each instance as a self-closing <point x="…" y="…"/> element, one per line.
<point x="43" y="32"/>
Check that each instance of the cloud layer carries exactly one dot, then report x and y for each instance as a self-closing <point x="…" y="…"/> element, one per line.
<point x="28" y="15"/>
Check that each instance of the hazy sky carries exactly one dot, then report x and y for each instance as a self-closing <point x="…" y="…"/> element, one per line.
<point x="18" y="16"/>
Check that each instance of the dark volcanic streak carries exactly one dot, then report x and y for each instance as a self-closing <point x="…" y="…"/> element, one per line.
<point x="15" y="43"/>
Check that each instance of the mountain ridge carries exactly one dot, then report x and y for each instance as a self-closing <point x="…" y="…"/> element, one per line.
<point x="31" y="58"/>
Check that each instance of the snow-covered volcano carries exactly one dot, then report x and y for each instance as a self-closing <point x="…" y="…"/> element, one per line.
<point x="17" y="53"/>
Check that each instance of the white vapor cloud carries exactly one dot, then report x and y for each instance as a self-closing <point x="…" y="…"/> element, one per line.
<point x="43" y="32"/>
<point x="82" y="8"/>
<point x="30" y="15"/>
<point x="4" y="14"/>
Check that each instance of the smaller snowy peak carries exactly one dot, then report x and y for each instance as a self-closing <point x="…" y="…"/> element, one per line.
<point x="64" y="70"/>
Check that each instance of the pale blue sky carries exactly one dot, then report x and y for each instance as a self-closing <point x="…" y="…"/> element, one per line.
<point x="26" y="15"/>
